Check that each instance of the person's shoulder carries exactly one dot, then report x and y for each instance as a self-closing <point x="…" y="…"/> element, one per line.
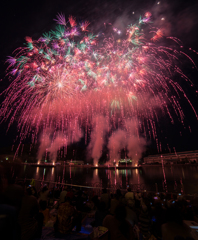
<point x="166" y="226"/>
<point x="126" y="194"/>
<point x="33" y="198"/>
<point x="109" y="217"/>
<point x="46" y="211"/>
<point x="107" y="220"/>
<point x="14" y="188"/>
<point x="18" y="187"/>
<point x="62" y="205"/>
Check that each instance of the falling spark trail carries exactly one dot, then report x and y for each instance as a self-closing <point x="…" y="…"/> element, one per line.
<point x="68" y="77"/>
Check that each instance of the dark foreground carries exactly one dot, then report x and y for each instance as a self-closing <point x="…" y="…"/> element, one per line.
<point x="54" y="206"/>
<point x="76" y="213"/>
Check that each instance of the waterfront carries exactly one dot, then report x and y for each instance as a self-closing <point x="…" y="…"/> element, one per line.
<point x="172" y="178"/>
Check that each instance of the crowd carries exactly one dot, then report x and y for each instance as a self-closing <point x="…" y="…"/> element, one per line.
<point x="127" y="215"/>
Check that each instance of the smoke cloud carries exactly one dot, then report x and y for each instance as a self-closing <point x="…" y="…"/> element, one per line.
<point x="44" y="143"/>
<point x="101" y="126"/>
<point x="51" y="144"/>
<point x="128" y="138"/>
<point x="135" y="143"/>
<point x="117" y="141"/>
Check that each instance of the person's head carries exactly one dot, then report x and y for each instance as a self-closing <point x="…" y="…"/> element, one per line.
<point x="43" y="204"/>
<point x="174" y="215"/>
<point x="118" y="193"/>
<point x="144" y="208"/>
<point x="65" y="188"/>
<point x="95" y="200"/>
<point x="44" y="188"/>
<point x="70" y="189"/>
<point x="68" y="200"/>
<point x="104" y="190"/>
<point x="128" y="189"/>
<point x="120" y="212"/>
<point x="29" y="190"/>
<point x="101" y="206"/>
<point x="158" y="205"/>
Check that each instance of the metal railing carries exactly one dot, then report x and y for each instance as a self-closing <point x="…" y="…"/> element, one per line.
<point x="96" y="187"/>
<point x="93" y="188"/>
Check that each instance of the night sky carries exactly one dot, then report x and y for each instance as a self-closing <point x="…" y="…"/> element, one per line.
<point x="32" y="18"/>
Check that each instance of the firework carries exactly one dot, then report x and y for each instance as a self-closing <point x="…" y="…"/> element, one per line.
<point x="70" y="74"/>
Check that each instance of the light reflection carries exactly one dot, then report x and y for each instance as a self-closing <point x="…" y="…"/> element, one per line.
<point x="183" y="173"/>
<point x="165" y="182"/>
<point x="95" y="176"/>
<point x="182" y="187"/>
<point x="52" y="174"/>
<point x="174" y="174"/>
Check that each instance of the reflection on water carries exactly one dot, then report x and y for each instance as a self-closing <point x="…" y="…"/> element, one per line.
<point x="166" y="178"/>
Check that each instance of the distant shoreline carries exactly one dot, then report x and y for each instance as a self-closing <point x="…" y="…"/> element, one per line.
<point x="106" y="167"/>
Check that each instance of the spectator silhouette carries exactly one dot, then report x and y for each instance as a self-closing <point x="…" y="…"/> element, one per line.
<point x="29" y="218"/>
<point x="174" y="228"/>
<point x="100" y="214"/>
<point x="105" y="198"/>
<point x="119" y="228"/>
<point x="9" y="228"/>
<point x="44" y="194"/>
<point x="44" y="210"/>
<point x="63" y="195"/>
<point x="68" y="217"/>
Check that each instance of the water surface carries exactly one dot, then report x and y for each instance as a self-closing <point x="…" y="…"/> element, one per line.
<point x="173" y="178"/>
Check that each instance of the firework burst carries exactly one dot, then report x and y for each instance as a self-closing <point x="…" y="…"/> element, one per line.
<point x="70" y="73"/>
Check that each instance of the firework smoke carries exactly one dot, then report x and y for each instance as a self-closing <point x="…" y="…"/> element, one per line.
<point x="101" y="127"/>
<point x="129" y="139"/>
<point x="50" y="143"/>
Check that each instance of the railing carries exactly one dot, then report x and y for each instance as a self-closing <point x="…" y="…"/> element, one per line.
<point x="96" y="187"/>
<point x="92" y="188"/>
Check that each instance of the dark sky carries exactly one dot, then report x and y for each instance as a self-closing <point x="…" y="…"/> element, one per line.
<point x="31" y="18"/>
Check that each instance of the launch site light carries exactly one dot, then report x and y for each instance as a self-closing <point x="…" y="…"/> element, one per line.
<point x="6" y="158"/>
